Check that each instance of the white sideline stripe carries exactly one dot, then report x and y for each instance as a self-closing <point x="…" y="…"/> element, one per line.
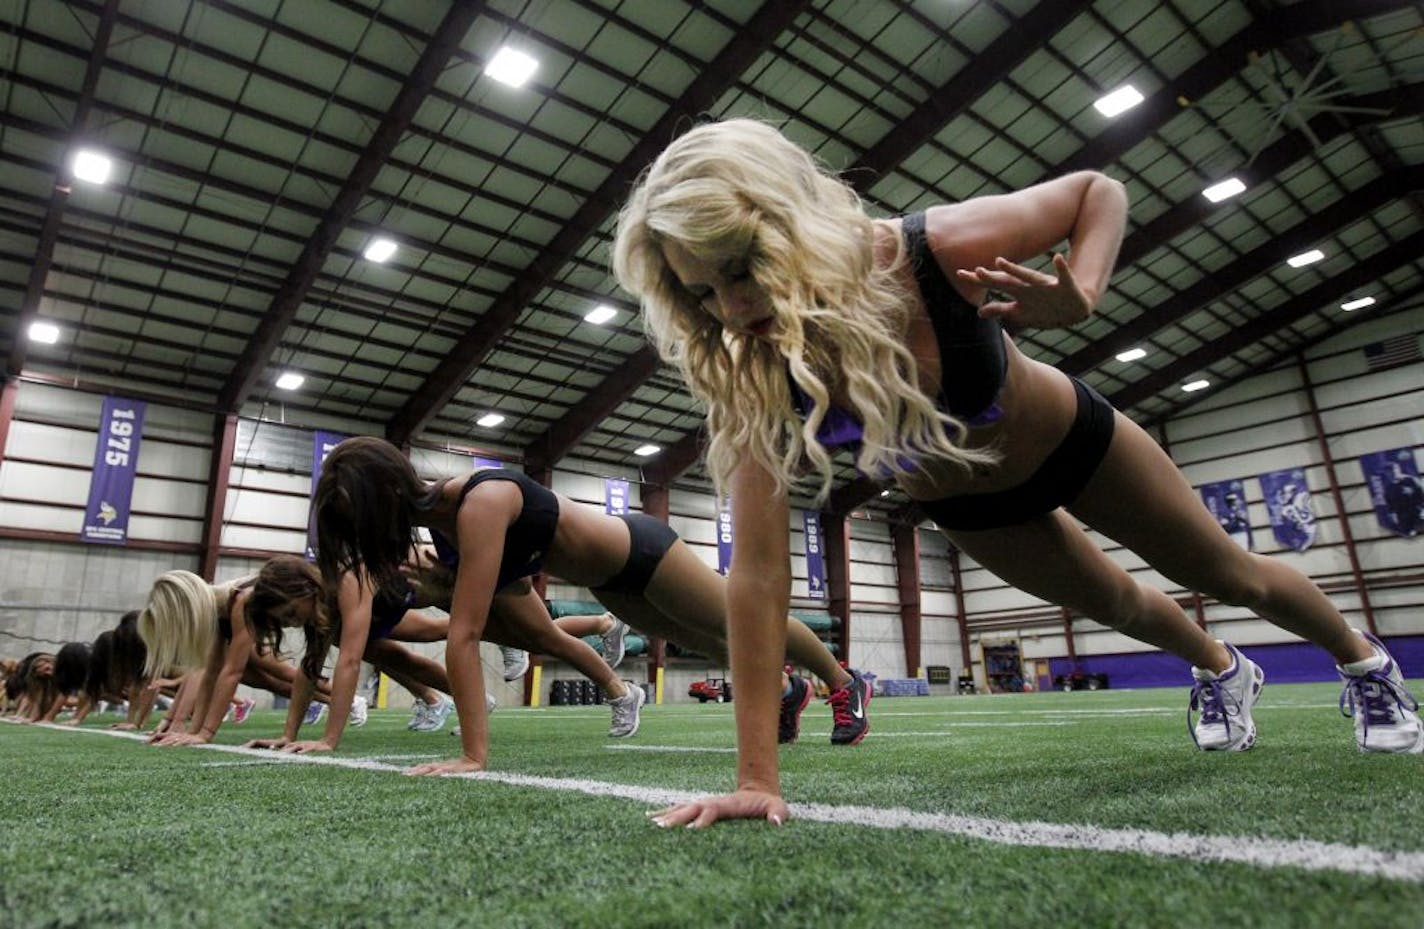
<point x="1305" y="854"/>
<point x="668" y="748"/>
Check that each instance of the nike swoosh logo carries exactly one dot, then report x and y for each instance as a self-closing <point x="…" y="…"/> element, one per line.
<point x="859" y="711"/>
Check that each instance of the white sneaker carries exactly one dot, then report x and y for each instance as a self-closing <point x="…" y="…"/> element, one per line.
<point x="360" y="711"/>
<point x="1225" y="701"/>
<point x="625" y="712"/>
<point x="436" y="715"/>
<point x="516" y="662"/>
<point x="1386" y="714"/>
<point x="614" y="641"/>
<point x="418" y="713"/>
<point x="490" y="704"/>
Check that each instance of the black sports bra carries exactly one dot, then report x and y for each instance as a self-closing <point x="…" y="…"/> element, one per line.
<point x="973" y="361"/>
<point x="527" y="538"/>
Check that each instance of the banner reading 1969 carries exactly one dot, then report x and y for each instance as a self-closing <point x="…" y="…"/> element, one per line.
<point x="815" y="561"/>
<point x="106" y="518"/>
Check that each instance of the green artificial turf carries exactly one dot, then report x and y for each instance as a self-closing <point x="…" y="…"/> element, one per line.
<point x="102" y="831"/>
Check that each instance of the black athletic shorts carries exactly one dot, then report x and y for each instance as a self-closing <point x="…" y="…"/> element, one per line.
<point x="1057" y="482"/>
<point x="648" y="541"/>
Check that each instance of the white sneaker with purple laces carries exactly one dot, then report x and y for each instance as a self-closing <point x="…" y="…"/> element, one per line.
<point x="1386" y="713"/>
<point x="1225" y="702"/>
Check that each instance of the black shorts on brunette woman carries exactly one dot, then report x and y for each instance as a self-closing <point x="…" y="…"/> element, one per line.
<point x="1057" y="482"/>
<point x="648" y="542"/>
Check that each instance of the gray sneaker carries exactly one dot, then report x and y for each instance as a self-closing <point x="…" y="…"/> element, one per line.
<point x="625" y="712"/>
<point x="516" y="662"/>
<point x="1225" y="702"/>
<point x="418" y="714"/>
<point x="436" y="715"/>
<point x="614" y="641"/>
<point x="1386" y="713"/>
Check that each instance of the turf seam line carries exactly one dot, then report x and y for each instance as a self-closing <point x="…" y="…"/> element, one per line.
<point x="1305" y="854"/>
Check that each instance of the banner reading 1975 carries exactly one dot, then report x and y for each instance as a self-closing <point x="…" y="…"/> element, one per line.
<point x="106" y="518"/>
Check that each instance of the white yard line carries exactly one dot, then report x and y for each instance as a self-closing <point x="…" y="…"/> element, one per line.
<point x="693" y="749"/>
<point x="1250" y="850"/>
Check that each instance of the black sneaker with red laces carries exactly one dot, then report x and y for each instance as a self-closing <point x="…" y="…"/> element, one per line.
<point x="849" y="707"/>
<point x="792" y="703"/>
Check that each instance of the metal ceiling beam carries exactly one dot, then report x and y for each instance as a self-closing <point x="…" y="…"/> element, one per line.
<point x="596" y="405"/>
<point x="992" y="65"/>
<point x="1336" y="287"/>
<point x="253" y="363"/>
<point x="49" y="229"/>
<point x="1005" y="54"/>
<point x="675" y="459"/>
<point x="1354" y="205"/>
<point x="720" y="74"/>
<point x="1220" y="65"/>
<point x="1291" y="351"/>
<point x="1289" y="149"/>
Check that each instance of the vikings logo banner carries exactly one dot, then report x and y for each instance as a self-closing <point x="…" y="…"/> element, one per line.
<point x="1395" y="491"/>
<point x="1288" y="503"/>
<point x="615" y="496"/>
<point x="1227" y="502"/>
<point x="106" y="518"/>
<point x="322" y="444"/>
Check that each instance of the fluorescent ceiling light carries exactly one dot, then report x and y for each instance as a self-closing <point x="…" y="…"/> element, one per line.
<point x="89" y="165"/>
<point x="290" y="380"/>
<point x="643" y="451"/>
<point x="1119" y="101"/>
<point x="1305" y="258"/>
<point x="489" y="419"/>
<point x="511" y="67"/>
<point x="380" y="250"/>
<point x="1132" y="354"/>
<point x="1220" y="191"/>
<point x="1194" y="386"/>
<point x="41" y="331"/>
<point x="600" y="314"/>
<point x="1359" y="304"/>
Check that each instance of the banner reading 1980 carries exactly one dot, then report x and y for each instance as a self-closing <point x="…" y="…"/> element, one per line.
<point x="106" y="518"/>
<point x="724" y="537"/>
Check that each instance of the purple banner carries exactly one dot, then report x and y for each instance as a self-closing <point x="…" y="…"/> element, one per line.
<point x="322" y="444"/>
<point x="1227" y="502"/>
<point x="1393" y="480"/>
<point x="486" y="462"/>
<point x="724" y="537"/>
<point x="615" y="496"/>
<point x="815" y="561"/>
<point x="106" y="518"/>
<point x="1287" y="498"/>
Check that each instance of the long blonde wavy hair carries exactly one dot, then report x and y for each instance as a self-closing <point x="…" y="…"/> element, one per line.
<point x="740" y="190"/>
<point x="180" y="622"/>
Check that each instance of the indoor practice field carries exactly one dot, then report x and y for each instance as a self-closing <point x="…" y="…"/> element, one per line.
<point x="1078" y="809"/>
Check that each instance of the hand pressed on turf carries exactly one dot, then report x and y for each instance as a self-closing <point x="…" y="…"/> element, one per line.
<point x="461" y="765"/>
<point x="264" y="743"/>
<point x="181" y="738"/>
<point x="744" y="804"/>
<point x="309" y="746"/>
